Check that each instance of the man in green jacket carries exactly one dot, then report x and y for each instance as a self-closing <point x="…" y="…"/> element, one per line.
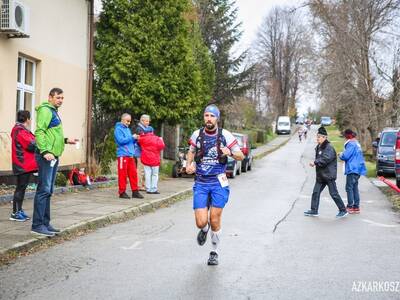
<point x="50" y="143"/>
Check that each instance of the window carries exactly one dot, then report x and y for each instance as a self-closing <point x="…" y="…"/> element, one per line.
<point x="26" y="85"/>
<point x="388" y="139"/>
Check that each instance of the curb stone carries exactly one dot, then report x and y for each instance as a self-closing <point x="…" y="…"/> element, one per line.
<point x="63" y="189"/>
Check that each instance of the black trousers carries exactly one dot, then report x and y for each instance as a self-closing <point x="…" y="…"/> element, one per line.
<point x="333" y="191"/>
<point x="19" y="194"/>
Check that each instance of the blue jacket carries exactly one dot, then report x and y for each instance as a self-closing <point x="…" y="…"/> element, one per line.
<point x="126" y="144"/>
<point x="353" y="158"/>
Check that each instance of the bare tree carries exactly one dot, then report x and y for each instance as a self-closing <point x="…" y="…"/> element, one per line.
<point x="281" y="45"/>
<point x="349" y="71"/>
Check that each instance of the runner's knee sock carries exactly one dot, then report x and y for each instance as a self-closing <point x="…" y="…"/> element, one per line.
<point x="205" y="228"/>
<point x="215" y="239"/>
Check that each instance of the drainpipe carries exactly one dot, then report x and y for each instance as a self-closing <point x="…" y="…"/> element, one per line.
<point x="90" y="86"/>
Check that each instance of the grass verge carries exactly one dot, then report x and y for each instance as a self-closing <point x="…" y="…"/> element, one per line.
<point x="393" y="196"/>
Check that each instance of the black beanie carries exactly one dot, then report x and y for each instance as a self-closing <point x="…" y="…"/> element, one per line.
<point x="322" y="131"/>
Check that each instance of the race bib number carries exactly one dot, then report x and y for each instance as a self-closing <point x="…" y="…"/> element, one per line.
<point x="223" y="180"/>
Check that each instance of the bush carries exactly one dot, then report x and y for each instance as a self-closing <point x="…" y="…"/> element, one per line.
<point x="61" y="179"/>
<point x="166" y="168"/>
<point x="105" y="152"/>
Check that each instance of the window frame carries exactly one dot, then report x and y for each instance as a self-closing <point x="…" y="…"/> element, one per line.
<point x="23" y="88"/>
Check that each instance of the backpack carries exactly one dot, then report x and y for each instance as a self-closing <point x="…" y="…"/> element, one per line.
<point x="77" y="177"/>
<point x="222" y="159"/>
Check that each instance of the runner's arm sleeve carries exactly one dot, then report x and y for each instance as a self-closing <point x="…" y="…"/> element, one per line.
<point x="192" y="141"/>
<point x="231" y="141"/>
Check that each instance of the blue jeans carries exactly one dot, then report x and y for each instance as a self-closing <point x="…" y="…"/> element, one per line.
<point x="41" y="204"/>
<point x="151" y="178"/>
<point x="353" y="195"/>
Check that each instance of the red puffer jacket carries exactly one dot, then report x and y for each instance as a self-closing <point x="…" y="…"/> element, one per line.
<point x="23" y="150"/>
<point x="151" y="146"/>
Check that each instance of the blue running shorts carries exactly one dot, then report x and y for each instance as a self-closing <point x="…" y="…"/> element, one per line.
<point x="201" y="191"/>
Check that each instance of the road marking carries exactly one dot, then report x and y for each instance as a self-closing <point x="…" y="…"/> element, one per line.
<point x="329" y="199"/>
<point x="133" y="247"/>
<point x="380" y="224"/>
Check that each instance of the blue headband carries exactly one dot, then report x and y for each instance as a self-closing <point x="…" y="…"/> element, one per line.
<point x="212" y="109"/>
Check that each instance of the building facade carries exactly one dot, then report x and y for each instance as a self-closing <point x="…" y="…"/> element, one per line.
<point x="53" y="52"/>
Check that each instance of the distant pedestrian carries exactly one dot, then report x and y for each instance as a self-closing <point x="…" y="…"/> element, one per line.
<point x="151" y="146"/>
<point x="300" y="132"/>
<point x="23" y="161"/>
<point x="305" y="130"/>
<point x="325" y="164"/>
<point x="142" y="128"/>
<point x="125" y="157"/>
<point x="50" y="144"/>
<point x="354" y="168"/>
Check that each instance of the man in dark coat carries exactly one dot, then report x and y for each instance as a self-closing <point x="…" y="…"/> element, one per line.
<point x="325" y="164"/>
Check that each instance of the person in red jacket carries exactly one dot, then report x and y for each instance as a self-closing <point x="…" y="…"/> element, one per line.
<point x="23" y="161"/>
<point x="151" y="146"/>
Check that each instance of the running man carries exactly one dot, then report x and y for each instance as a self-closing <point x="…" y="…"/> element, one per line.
<point x="209" y="148"/>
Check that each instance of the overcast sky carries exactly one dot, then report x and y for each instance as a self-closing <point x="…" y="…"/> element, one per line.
<point x="252" y="13"/>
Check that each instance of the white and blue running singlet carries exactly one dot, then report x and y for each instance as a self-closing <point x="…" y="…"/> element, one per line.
<point x="210" y="166"/>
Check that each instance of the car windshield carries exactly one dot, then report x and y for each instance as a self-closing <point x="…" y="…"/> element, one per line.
<point x="239" y="138"/>
<point x="388" y="139"/>
<point x="325" y="119"/>
<point x="283" y="123"/>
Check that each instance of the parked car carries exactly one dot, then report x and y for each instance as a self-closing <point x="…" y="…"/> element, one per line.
<point x="245" y="147"/>
<point x="397" y="159"/>
<point x="233" y="167"/>
<point x="326" y="121"/>
<point x="386" y="151"/>
<point x="283" y="125"/>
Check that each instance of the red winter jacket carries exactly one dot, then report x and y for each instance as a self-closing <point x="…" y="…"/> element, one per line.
<point x="23" y="150"/>
<point x="151" y="146"/>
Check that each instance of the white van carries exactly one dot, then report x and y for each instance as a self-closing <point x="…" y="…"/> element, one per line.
<point x="283" y="125"/>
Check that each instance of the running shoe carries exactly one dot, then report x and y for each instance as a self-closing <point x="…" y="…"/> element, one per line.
<point x="311" y="213"/>
<point x="213" y="259"/>
<point x="24" y="214"/>
<point x="202" y="236"/>
<point x="17" y="217"/>
<point x="342" y="214"/>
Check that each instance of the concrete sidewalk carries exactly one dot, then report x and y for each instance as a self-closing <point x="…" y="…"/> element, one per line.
<point x="88" y="209"/>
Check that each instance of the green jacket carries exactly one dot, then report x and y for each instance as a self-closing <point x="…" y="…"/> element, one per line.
<point x="49" y="132"/>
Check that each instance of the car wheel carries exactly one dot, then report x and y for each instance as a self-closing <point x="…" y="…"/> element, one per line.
<point x="245" y="166"/>
<point x="239" y="169"/>
<point x="234" y="171"/>
<point x="378" y="173"/>
<point x="398" y="182"/>
<point x="175" y="171"/>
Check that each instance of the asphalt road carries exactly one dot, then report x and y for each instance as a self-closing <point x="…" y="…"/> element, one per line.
<point x="269" y="250"/>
